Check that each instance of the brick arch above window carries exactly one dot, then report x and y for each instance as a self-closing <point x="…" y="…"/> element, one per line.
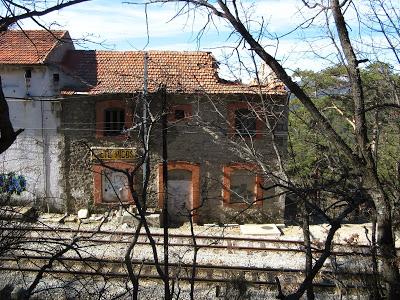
<point x="111" y="105"/>
<point x="233" y="108"/>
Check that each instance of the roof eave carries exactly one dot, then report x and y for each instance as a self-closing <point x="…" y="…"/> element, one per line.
<point x="23" y="65"/>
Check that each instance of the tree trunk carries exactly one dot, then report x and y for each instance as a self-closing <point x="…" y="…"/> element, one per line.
<point x="389" y="271"/>
<point x="385" y="236"/>
<point x="8" y="135"/>
<point x="376" y="292"/>
<point x="164" y="132"/>
<point x="307" y="244"/>
<point x="371" y="182"/>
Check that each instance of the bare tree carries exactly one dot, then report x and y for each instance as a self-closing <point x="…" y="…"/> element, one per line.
<point x="16" y="11"/>
<point x="360" y="156"/>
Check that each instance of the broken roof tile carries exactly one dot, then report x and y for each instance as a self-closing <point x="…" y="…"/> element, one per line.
<point x="180" y="72"/>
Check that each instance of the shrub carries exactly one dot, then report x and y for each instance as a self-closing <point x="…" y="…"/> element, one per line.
<point x="12" y="184"/>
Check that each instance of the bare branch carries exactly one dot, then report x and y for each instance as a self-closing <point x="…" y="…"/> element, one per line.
<point x="7" y="21"/>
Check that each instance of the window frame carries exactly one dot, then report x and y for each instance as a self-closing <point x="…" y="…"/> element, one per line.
<point x="187" y="108"/>
<point x="98" y="170"/>
<point x="226" y="182"/>
<point x="108" y="128"/>
<point x="244" y="130"/>
<point x="241" y="105"/>
<point x="101" y="107"/>
<point x="182" y="165"/>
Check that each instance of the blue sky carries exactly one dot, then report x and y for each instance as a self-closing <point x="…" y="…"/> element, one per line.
<point x="119" y="26"/>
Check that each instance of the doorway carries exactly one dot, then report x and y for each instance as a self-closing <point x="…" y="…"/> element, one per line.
<point x="180" y="196"/>
<point x="183" y="191"/>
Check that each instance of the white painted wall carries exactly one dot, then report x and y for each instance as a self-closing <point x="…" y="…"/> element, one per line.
<point x="36" y="152"/>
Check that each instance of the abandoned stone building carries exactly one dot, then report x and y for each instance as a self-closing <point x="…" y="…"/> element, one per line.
<point x="220" y="133"/>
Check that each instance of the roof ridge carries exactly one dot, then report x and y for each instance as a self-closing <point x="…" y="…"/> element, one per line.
<point x="56" y="42"/>
<point x="142" y="51"/>
<point x="109" y="71"/>
<point x="43" y="30"/>
<point x="29" y="46"/>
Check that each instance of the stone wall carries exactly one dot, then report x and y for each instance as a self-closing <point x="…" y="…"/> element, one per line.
<point x="204" y="139"/>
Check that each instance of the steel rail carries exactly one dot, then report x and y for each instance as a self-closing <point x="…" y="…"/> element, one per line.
<point x="102" y="261"/>
<point x="160" y="235"/>
<point x="183" y="278"/>
<point x="183" y="265"/>
<point x="200" y="246"/>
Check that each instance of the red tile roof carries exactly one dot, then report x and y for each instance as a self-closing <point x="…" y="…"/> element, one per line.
<point x="122" y="72"/>
<point x="29" y="47"/>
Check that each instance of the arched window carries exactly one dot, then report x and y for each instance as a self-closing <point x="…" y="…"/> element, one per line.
<point x="243" y="186"/>
<point x="109" y="186"/>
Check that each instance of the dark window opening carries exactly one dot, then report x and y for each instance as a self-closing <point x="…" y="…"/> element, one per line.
<point x="28" y="73"/>
<point x="245" y="122"/>
<point x="179" y="114"/>
<point x="56" y="78"/>
<point x="114" y="121"/>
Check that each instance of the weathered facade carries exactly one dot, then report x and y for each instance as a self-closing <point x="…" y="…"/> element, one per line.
<point x="31" y="80"/>
<point x="220" y="141"/>
<point x="208" y="165"/>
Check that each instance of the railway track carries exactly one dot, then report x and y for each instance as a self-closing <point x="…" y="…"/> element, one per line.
<point x="27" y="261"/>
<point x="229" y="243"/>
<point x="114" y="268"/>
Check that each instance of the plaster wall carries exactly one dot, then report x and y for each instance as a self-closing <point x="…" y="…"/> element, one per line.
<point x="41" y="83"/>
<point x="36" y="152"/>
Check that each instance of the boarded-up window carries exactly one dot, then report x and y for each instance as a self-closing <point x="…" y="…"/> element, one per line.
<point x="115" y="187"/>
<point x="243" y="185"/>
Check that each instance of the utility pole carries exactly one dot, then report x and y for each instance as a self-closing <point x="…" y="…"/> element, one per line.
<point x="164" y="132"/>
<point x="144" y="119"/>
